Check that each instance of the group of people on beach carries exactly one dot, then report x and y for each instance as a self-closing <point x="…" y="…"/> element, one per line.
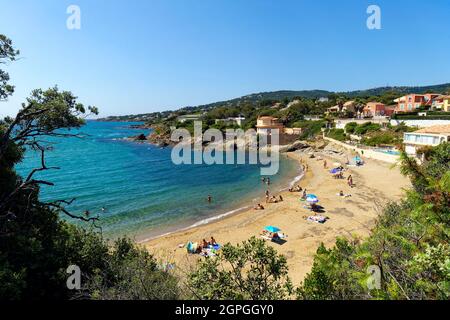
<point x="296" y="188"/>
<point x="205" y="245"/>
<point x="272" y="198"/>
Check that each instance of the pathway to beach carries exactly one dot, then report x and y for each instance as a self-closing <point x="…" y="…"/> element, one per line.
<point x="376" y="184"/>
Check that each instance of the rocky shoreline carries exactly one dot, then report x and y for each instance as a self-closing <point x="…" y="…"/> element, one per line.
<point x="163" y="140"/>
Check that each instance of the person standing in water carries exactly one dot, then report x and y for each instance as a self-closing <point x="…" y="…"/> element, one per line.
<point x="209" y="198"/>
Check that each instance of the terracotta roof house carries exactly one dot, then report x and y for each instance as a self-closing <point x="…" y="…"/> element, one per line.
<point x="373" y="109"/>
<point x="413" y="101"/>
<point x="348" y="106"/>
<point x="442" y="103"/>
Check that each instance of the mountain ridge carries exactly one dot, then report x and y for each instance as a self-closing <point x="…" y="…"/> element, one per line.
<point x="290" y="94"/>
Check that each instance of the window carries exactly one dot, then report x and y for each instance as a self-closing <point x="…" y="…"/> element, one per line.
<point x="409" y="106"/>
<point x="402" y="106"/>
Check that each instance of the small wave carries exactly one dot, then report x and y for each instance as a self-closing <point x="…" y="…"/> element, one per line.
<point x="296" y="179"/>
<point x="197" y="224"/>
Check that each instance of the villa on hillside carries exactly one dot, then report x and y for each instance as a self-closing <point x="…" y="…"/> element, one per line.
<point x="348" y="106"/>
<point x="375" y="109"/>
<point x="266" y="124"/>
<point x="413" y="101"/>
<point x="442" y="103"/>
<point x="231" y="120"/>
<point x="189" y="117"/>
<point x="431" y="136"/>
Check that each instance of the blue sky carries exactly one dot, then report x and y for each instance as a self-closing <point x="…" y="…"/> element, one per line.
<point x="141" y="56"/>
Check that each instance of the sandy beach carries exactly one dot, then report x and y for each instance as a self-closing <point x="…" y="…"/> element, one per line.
<point x="376" y="183"/>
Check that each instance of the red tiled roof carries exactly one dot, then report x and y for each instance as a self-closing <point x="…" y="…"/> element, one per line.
<point x="436" y="129"/>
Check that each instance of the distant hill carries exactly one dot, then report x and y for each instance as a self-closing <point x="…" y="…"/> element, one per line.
<point x="271" y="95"/>
<point x="289" y="94"/>
<point x="439" y="88"/>
<point x="280" y="95"/>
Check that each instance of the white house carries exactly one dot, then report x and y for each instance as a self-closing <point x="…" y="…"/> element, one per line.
<point x="189" y="117"/>
<point x="431" y="136"/>
<point x="232" y="120"/>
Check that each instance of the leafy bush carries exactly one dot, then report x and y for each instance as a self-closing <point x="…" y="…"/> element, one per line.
<point x="337" y="134"/>
<point x="409" y="244"/>
<point x="381" y="138"/>
<point x="130" y="273"/>
<point x="309" y="128"/>
<point x="350" y="127"/>
<point x="366" y="127"/>
<point x="252" y="270"/>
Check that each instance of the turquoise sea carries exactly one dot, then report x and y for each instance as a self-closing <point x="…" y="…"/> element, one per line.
<point x="143" y="192"/>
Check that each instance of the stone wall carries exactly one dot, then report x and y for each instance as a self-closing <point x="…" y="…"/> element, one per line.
<point x="366" y="153"/>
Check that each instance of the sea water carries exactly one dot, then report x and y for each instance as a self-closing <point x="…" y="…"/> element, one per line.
<point x="143" y="193"/>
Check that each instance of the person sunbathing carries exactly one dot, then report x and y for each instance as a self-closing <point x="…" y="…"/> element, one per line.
<point x="259" y="206"/>
<point x="342" y="194"/>
<point x="213" y="241"/>
<point x="273" y="199"/>
<point x="204" y="243"/>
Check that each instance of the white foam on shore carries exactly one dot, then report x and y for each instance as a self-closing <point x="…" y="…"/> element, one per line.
<point x="296" y="179"/>
<point x="199" y="223"/>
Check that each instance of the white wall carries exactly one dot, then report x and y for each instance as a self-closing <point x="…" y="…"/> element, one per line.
<point x="340" y="123"/>
<point x="420" y="123"/>
<point x="411" y="150"/>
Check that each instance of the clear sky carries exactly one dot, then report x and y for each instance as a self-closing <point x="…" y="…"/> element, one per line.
<point x="139" y="56"/>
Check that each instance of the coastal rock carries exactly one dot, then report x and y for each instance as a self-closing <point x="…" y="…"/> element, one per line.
<point x="297" y="145"/>
<point x="162" y="144"/>
<point x="141" y="137"/>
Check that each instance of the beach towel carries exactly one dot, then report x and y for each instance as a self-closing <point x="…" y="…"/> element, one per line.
<point x="281" y="235"/>
<point x="317" y="219"/>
